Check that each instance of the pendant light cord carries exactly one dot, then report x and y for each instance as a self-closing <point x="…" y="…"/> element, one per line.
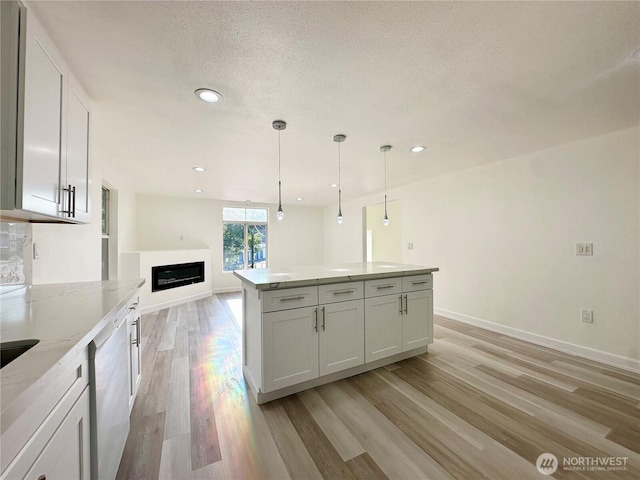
<point x="339" y="179"/>
<point x="385" y="184"/>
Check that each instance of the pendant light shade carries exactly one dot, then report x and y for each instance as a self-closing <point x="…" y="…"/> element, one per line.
<point x="279" y="125"/>
<point x="339" y="139"/>
<point x="385" y="149"/>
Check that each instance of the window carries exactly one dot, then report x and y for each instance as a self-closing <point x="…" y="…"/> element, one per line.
<point x="244" y="238"/>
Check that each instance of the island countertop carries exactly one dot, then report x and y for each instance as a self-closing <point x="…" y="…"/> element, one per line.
<point x="274" y="278"/>
<point x="65" y="318"/>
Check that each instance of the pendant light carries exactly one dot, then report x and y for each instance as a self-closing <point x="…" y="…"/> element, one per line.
<point x="339" y="139"/>
<point x="385" y="149"/>
<point x="279" y="125"/>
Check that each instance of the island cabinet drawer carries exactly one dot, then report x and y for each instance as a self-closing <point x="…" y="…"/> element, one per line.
<point x="340" y="292"/>
<point x="417" y="282"/>
<point x="382" y="286"/>
<point x="287" y="298"/>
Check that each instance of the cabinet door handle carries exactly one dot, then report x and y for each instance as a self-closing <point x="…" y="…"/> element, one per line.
<point x="419" y="283"/>
<point x="344" y="292"/>
<point x="382" y="287"/>
<point x="400" y="304"/>
<point x="135" y="323"/>
<point x="138" y="329"/>
<point x="323" y="319"/>
<point x="133" y="306"/>
<point x="315" y="311"/>
<point x="406" y="305"/>
<point x="66" y="211"/>
<point x="291" y="299"/>
<point x="72" y="209"/>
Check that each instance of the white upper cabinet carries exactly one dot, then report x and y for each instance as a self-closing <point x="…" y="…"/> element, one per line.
<point x="50" y="166"/>
<point x="42" y="147"/>
<point x="78" y="173"/>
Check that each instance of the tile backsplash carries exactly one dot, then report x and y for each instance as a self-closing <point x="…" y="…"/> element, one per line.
<point x="15" y="253"/>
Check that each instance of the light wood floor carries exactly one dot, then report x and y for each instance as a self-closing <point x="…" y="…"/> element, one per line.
<point x="478" y="405"/>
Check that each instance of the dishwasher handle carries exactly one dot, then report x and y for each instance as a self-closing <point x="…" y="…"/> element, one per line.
<point x="104" y="335"/>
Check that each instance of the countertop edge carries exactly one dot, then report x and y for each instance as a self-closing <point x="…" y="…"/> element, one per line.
<point x="334" y="279"/>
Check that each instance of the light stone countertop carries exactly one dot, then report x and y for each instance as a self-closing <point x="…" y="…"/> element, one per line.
<point x="273" y="278"/>
<point x="65" y="318"/>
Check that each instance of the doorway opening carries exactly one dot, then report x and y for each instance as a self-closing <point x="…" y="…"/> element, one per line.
<point x="383" y="243"/>
<point x="109" y="241"/>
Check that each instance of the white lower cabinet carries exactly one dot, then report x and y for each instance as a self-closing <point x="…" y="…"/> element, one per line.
<point x="290" y="346"/>
<point x="383" y="327"/>
<point x="341" y="336"/>
<point x="398" y="323"/>
<point x="67" y="454"/>
<point x="60" y="446"/>
<point x="135" y="360"/>
<point x="304" y="343"/>
<point x="417" y="319"/>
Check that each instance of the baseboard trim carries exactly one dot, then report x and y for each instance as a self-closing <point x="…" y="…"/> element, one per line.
<point x="172" y="303"/>
<point x="226" y="290"/>
<point x="611" y="359"/>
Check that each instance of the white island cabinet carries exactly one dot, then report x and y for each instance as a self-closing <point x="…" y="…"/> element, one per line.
<point x="306" y="326"/>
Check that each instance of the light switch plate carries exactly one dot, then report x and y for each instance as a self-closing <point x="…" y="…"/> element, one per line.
<point x="584" y="248"/>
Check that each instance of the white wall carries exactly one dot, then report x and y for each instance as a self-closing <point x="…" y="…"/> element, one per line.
<point x="503" y="236"/>
<point x="170" y="223"/>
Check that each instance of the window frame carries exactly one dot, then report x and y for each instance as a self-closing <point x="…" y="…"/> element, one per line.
<point x="246" y="224"/>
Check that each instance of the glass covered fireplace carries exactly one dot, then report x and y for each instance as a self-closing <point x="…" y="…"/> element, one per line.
<point x="165" y="277"/>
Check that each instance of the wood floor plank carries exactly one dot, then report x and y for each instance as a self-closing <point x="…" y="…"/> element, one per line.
<point x="292" y="450"/>
<point x="168" y="340"/>
<point x="156" y="395"/>
<point x="363" y="467"/>
<point x="336" y="432"/>
<point x="205" y="447"/>
<point x="178" y="402"/>
<point x="143" y="450"/>
<point x="326" y="459"/>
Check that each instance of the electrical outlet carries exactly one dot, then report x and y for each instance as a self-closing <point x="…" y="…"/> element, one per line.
<point x="584" y="248"/>
<point x="586" y="315"/>
<point x="409" y="245"/>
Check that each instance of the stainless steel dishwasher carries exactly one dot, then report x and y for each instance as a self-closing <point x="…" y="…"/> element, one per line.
<point x="109" y="382"/>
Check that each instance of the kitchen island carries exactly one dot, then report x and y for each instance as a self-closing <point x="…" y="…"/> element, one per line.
<point x="306" y="326"/>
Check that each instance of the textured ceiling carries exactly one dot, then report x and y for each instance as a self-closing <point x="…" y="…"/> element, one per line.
<point x="475" y="82"/>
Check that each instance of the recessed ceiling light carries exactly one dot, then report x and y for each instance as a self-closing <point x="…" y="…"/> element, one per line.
<point x="418" y="149"/>
<point x="200" y="169"/>
<point x="197" y="190"/>
<point x="334" y="185"/>
<point x="208" y="95"/>
<point x="299" y="199"/>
